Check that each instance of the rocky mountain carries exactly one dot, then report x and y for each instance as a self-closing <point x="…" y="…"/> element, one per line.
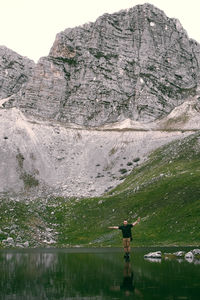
<point x="136" y="64"/>
<point x="107" y="95"/>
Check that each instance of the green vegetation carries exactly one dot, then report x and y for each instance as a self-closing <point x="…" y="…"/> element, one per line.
<point x="20" y="159"/>
<point x="29" y="180"/>
<point x="123" y="171"/>
<point x="164" y="191"/>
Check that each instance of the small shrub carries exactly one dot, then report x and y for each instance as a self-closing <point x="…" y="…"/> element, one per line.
<point x="29" y="180"/>
<point x="112" y="151"/>
<point x="136" y="159"/>
<point x="20" y="159"/>
<point x="122" y="171"/>
<point x="129" y="163"/>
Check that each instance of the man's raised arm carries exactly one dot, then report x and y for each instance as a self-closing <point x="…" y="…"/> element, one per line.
<point x="136" y="222"/>
<point x="113" y="227"/>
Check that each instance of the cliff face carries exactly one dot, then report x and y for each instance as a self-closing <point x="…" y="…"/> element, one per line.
<point x="136" y="64"/>
<point x="14" y="72"/>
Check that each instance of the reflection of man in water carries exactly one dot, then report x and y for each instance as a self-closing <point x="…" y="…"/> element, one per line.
<point x="127" y="286"/>
<point x="127" y="236"/>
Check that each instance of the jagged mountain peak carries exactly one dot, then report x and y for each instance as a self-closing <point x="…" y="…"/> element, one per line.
<point x="137" y="18"/>
<point x="135" y="64"/>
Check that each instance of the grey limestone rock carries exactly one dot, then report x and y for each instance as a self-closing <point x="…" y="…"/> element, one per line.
<point x="189" y="255"/>
<point x="26" y="244"/>
<point x="14" y="72"/>
<point x="136" y="64"/>
<point x="179" y="253"/>
<point x="196" y="251"/>
<point x="156" y="254"/>
<point x="9" y="241"/>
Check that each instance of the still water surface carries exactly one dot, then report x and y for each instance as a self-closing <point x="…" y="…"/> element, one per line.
<point x="95" y="274"/>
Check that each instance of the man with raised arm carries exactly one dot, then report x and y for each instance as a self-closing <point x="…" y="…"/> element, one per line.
<point x="127" y="236"/>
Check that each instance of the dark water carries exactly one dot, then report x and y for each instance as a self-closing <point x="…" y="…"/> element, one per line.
<point x="95" y="274"/>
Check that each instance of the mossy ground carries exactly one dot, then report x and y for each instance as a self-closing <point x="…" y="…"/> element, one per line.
<point x="164" y="192"/>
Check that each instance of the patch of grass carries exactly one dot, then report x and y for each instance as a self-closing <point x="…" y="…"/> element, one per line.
<point x="113" y="151"/>
<point x="20" y="160"/>
<point x="164" y="191"/>
<point x="29" y="180"/>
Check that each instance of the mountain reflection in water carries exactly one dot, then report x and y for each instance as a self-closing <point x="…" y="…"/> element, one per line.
<point x="94" y="274"/>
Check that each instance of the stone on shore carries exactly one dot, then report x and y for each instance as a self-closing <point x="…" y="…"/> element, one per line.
<point x="157" y="254"/>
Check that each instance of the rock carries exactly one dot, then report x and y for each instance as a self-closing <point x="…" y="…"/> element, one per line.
<point x="189" y="255"/>
<point x="15" y="70"/>
<point x="9" y="241"/>
<point x="26" y="244"/>
<point x="189" y="258"/>
<point x="18" y="239"/>
<point x="18" y="245"/>
<point x="196" y="251"/>
<point x="184" y="116"/>
<point x="51" y="242"/>
<point x="157" y="254"/>
<point x="136" y="64"/>
<point x="179" y="253"/>
<point x="14" y="226"/>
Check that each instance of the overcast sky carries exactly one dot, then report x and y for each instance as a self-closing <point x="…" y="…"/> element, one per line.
<point x="29" y="27"/>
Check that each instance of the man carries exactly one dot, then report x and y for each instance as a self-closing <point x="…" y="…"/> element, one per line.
<point x="127" y="236"/>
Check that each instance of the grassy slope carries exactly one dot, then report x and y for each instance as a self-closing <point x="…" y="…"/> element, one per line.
<point x="164" y="191"/>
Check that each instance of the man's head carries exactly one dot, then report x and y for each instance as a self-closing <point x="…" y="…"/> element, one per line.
<point x="125" y="222"/>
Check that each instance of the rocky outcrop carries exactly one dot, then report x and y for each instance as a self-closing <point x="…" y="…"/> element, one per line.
<point x="137" y="64"/>
<point x="183" y="117"/>
<point x="14" y="72"/>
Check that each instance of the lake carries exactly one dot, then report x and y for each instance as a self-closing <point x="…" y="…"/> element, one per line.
<point x="96" y="274"/>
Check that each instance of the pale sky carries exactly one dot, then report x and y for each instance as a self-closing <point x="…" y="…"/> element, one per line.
<point x="29" y="27"/>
